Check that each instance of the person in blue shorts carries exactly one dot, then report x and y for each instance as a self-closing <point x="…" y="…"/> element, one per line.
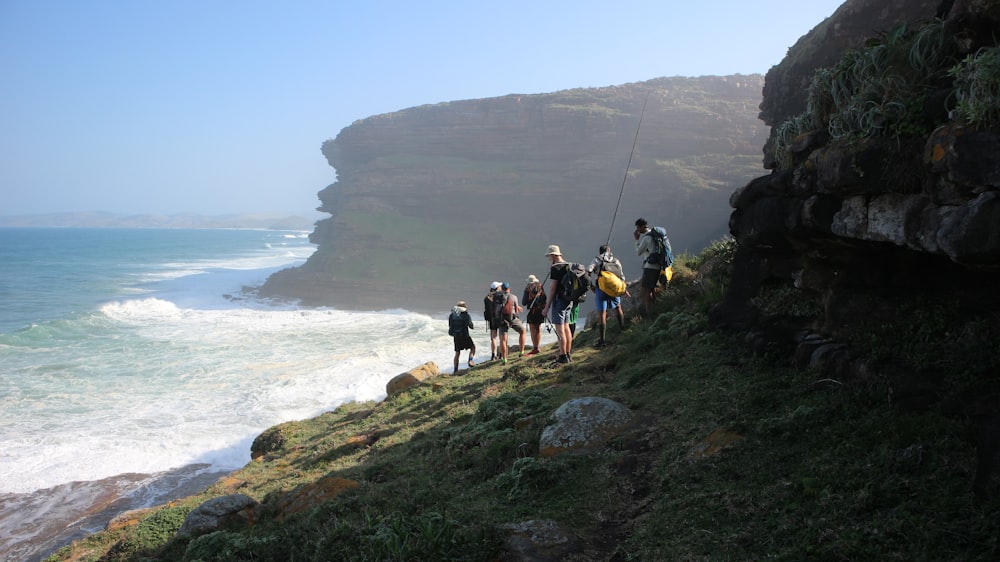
<point x="606" y="261"/>
<point x="556" y="307"/>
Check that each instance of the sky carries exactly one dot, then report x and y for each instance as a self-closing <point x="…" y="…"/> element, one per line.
<point x="220" y="107"/>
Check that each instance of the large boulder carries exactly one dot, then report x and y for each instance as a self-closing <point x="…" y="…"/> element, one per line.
<point x="225" y="512"/>
<point x="414" y="377"/>
<point x="583" y="425"/>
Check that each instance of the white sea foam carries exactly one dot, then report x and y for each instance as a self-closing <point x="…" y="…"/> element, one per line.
<point x="163" y="386"/>
<point x="166" y="370"/>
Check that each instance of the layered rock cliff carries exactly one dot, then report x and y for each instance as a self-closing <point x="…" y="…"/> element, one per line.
<point x="872" y="250"/>
<point x="432" y="203"/>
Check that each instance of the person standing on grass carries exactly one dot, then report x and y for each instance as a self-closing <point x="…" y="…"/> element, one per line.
<point x="459" y="324"/>
<point x="654" y="249"/>
<point x="556" y="306"/>
<point x="534" y="300"/>
<point x="606" y="261"/>
<point x="488" y="318"/>
<point x="507" y="310"/>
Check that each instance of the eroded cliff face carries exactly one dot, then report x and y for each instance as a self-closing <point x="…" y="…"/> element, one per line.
<point x="433" y="203"/>
<point x="872" y="250"/>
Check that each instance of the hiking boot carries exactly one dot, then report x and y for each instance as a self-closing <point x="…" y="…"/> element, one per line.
<point x="600" y="343"/>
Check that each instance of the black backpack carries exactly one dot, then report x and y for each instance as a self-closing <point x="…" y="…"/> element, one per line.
<point x="499" y="314"/>
<point x="573" y="285"/>
<point x="456" y="324"/>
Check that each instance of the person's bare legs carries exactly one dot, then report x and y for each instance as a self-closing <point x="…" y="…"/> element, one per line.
<point x="565" y="339"/>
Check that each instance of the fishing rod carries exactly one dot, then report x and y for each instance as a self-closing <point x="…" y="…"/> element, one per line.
<point x="627" y="166"/>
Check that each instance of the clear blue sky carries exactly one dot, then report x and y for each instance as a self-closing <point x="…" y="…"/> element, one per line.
<point x="220" y="106"/>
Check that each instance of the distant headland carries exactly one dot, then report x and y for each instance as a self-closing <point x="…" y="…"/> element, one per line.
<point x="98" y="219"/>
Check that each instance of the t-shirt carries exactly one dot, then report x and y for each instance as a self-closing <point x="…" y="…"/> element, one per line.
<point x="556" y="273"/>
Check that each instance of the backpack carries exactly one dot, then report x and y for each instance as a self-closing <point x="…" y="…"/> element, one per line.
<point x="488" y="306"/>
<point x="535" y="296"/>
<point x="503" y="306"/>
<point x="661" y="254"/>
<point x="573" y="285"/>
<point x="611" y="284"/>
<point x="610" y="277"/>
<point x="456" y="324"/>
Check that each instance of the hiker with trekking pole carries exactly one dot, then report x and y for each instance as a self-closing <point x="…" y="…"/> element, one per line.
<point x="534" y="299"/>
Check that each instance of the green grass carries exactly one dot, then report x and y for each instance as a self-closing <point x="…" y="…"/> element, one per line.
<point x="813" y="470"/>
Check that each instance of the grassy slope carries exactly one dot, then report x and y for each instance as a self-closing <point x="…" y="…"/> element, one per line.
<point x="807" y="468"/>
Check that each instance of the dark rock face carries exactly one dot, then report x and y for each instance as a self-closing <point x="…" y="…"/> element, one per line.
<point x="874" y="256"/>
<point x="432" y="203"/>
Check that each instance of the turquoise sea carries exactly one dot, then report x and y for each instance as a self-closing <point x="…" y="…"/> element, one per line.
<point x="134" y="368"/>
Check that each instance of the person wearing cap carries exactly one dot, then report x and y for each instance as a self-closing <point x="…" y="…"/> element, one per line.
<point x="488" y="318"/>
<point x="560" y="308"/>
<point x="509" y="321"/>
<point x="459" y="324"/>
<point x="534" y="299"/>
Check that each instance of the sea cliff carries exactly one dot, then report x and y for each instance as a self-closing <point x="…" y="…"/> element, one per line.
<point x="432" y="203"/>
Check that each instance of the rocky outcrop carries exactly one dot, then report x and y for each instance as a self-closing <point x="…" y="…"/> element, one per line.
<point x="856" y="21"/>
<point x="225" y="512"/>
<point x="432" y="203"/>
<point x="872" y="250"/>
<point x="414" y="377"/>
<point x="310" y="495"/>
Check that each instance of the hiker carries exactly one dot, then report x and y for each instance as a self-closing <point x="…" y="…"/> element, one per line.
<point x="459" y="324"/>
<point x="534" y="299"/>
<point x="506" y="308"/>
<point x="488" y="318"/>
<point x="653" y="261"/>
<point x="603" y="300"/>
<point x="560" y="308"/>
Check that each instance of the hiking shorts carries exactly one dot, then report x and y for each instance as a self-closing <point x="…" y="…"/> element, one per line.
<point x="514" y="324"/>
<point x="650" y="277"/>
<point x="605" y="302"/>
<point x="560" y="311"/>
<point x="463" y="342"/>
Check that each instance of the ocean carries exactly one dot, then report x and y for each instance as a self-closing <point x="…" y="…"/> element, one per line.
<point x="134" y="368"/>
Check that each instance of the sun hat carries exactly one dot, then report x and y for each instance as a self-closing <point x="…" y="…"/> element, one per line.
<point x="531" y="279"/>
<point x="553" y="251"/>
<point x="494" y="285"/>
